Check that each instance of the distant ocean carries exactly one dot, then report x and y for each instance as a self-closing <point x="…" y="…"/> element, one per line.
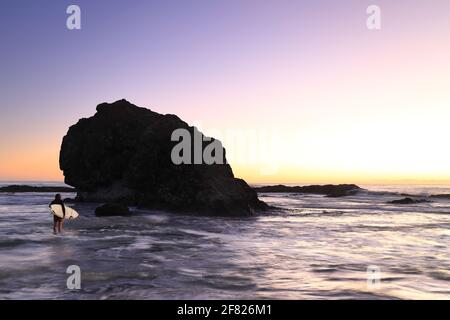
<point x="311" y="247"/>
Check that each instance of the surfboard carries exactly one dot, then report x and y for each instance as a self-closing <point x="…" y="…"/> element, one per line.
<point x="70" y="213"/>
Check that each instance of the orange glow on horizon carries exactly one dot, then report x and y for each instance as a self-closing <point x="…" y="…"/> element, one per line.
<point x="346" y="104"/>
<point x="31" y="163"/>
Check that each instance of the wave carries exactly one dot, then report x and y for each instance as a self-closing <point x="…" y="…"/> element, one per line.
<point x="410" y="195"/>
<point x="366" y="192"/>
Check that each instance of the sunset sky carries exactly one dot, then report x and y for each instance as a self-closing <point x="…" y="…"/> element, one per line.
<point x="314" y="94"/>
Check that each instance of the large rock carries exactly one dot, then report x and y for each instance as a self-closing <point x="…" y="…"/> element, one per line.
<point x="123" y="154"/>
<point x="112" y="209"/>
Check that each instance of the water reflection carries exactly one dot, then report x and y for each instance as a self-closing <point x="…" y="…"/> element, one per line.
<point x="312" y="247"/>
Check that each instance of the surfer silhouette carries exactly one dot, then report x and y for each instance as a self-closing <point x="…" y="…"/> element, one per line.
<point x="57" y="221"/>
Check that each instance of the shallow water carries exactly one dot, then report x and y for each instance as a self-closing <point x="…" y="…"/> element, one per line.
<point x="312" y="247"/>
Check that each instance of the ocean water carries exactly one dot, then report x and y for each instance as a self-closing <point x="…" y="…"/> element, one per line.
<point x="311" y="247"/>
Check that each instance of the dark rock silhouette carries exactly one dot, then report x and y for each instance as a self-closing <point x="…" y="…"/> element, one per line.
<point x="408" y="201"/>
<point x="26" y="188"/>
<point x="112" y="209"/>
<point x="123" y="155"/>
<point x="328" y="190"/>
<point x="441" y="196"/>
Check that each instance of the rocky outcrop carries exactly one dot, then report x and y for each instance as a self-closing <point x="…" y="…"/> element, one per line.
<point x="26" y="188"/>
<point x="328" y="190"/>
<point x="112" y="209"/>
<point x="123" y="155"/>
<point x="408" y="201"/>
<point x="440" y="196"/>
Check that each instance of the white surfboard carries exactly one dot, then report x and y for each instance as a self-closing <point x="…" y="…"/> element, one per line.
<point x="58" y="211"/>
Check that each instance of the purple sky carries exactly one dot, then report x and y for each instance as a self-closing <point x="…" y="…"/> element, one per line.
<point x="308" y="70"/>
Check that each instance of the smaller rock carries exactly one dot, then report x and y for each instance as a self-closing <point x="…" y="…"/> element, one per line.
<point x="329" y="190"/>
<point x="26" y="188"/>
<point x="112" y="209"/>
<point x="441" y="196"/>
<point x="408" y="201"/>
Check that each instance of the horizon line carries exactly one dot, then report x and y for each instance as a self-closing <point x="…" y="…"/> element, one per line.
<point x="396" y="182"/>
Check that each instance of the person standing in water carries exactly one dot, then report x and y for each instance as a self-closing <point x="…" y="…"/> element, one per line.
<point x="57" y="221"/>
